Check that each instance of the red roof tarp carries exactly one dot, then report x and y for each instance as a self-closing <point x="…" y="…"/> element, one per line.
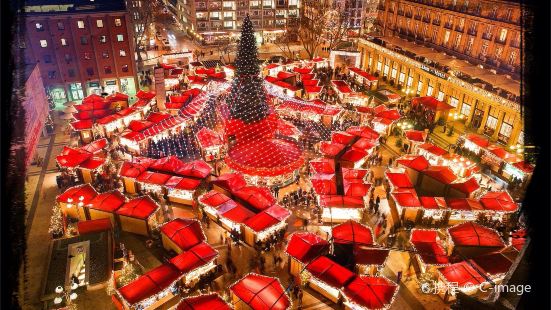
<point x="185" y="233"/>
<point x="306" y="246"/>
<point x="370" y="292"/>
<point x="442" y="174"/>
<point x="338" y="201"/>
<point x="399" y="179"/>
<point x="259" y="198"/>
<point x="303" y="70"/>
<point x="327" y="271"/>
<point x="194" y="169"/>
<point x="348" y="174"/>
<point x="464" y="204"/>
<point x="75" y="192"/>
<point x="498" y="201"/>
<point x="493" y="263"/>
<point x="472" y="234"/>
<point x="416" y="135"/>
<point x="427" y="246"/>
<point x="434" y="203"/>
<point x="463" y="274"/>
<point x="95" y="146"/>
<point x="342" y="86"/>
<point x="145" y="95"/>
<point x="415" y="162"/>
<point x="364" y="132"/>
<point x="149" y="284"/>
<point x="197" y="256"/>
<point x="108" y="201"/>
<point x="213" y="198"/>
<point x="354" y="155"/>
<point x="363" y="74"/>
<point x="203" y="302"/>
<point x="268" y="218"/>
<point x="389" y="114"/>
<point x="140" y="208"/>
<point x="323" y="165"/>
<point x="89" y="227"/>
<point x="208" y="138"/>
<point x="406" y="197"/>
<point x="467" y="186"/>
<point x="433" y="149"/>
<point x="352" y="232"/>
<point x="135" y="167"/>
<point x="261" y="292"/>
<point x="324" y="184"/>
<point x="82" y="125"/>
<point x="153" y="178"/>
<point x="282" y="75"/>
<point x="431" y="103"/>
<point x="230" y="181"/>
<point x="364" y="144"/>
<point x="180" y="183"/>
<point x="524" y="167"/>
<point x="355" y="187"/>
<point x="235" y="212"/>
<point x="330" y="148"/>
<point x="478" y="140"/>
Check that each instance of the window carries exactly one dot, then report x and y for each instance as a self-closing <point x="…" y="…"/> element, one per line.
<point x="446" y="37"/>
<point x="419" y="87"/>
<point x="80" y="24"/>
<point x="71" y="72"/>
<point x="63" y="42"/>
<point x="491" y="122"/>
<point x="124" y="68"/>
<point x="454" y="102"/>
<point x="499" y="51"/>
<point x="520" y="139"/>
<point x="102" y="39"/>
<point x="120" y="37"/>
<point x="68" y="58"/>
<point x="385" y="71"/>
<point x="228" y="24"/>
<point x="505" y="130"/>
<point x="410" y="81"/>
<point x="457" y="41"/>
<point x="99" y="23"/>
<point x="503" y="35"/>
<point x="122" y="53"/>
<point x="136" y="15"/>
<point x="60" y="26"/>
<point x="48" y="59"/>
<point x="402" y="78"/>
<point x="107" y="69"/>
<point x="43" y="43"/>
<point x="267" y="3"/>
<point x="215" y="15"/>
<point x="379" y="65"/>
<point x="228" y="5"/>
<point x="90" y="71"/>
<point x="51" y="74"/>
<point x="105" y="54"/>
<point x="430" y="89"/>
<point x="293" y="2"/>
<point x="434" y="35"/>
<point x="83" y="40"/>
<point x="87" y="56"/>
<point x="512" y="58"/>
<point x="118" y="22"/>
<point x="484" y="49"/>
<point x="469" y="46"/>
<point x="393" y="73"/>
<point x="39" y="27"/>
<point x="466" y="109"/>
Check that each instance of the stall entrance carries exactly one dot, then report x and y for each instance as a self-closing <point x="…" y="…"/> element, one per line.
<point x="340" y="58"/>
<point x="78" y="261"/>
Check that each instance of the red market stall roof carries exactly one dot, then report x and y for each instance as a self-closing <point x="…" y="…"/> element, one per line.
<point x="310" y="82"/>
<point x="272" y="65"/>
<point x="141" y="208"/>
<point x="89" y="227"/>
<point x="149" y="284"/>
<point x="406" y="197"/>
<point x="82" y="125"/>
<point x="204" y="71"/>
<point x="145" y="95"/>
<point x="466" y="186"/>
<point x="185" y="233"/>
<point x="306" y="246"/>
<point x="259" y="198"/>
<point x="433" y="149"/>
<point x="498" y="201"/>
<point x="352" y="232"/>
<point x="208" y="138"/>
<point x="303" y="70"/>
<point x="493" y="263"/>
<point x="180" y="183"/>
<point x="230" y="181"/>
<point x="135" y="167"/>
<point x="389" y="114"/>
<point x="329" y="272"/>
<point x="331" y="149"/>
<point x="348" y="174"/>
<point x="341" y="137"/>
<point x="95" y="146"/>
<point x="282" y="75"/>
<point x="307" y="77"/>
<point x="312" y="89"/>
<point x="197" y="256"/>
<point x="463" y="273"/>
<point x="92" y="98"/>
<point x="415" y="162"/>
<point x="287" y="129"/>
<point x="343" y="202"/>
<point x="72" y="160"/>
<point x="431" y="103"/>
<point x="399" y="179"/>
<point x="324" y="184"/>
<point x="117" y="97"/>
<point x="427" y="247"/>
<point x="355" y="187"/>
<point x="323" y="165"/>
<point x="472" y="234"/>
<point x="267" y="218"/>
<point x="464" y="204"/>
<point x="364" y="144"/>
<point x="503" y="154"/>
<point x="434" y="203"/>
<point x="261" y="292"/>
<point x="153" y="178"/>
<point x="353" y="155"/>
<point x="214" y="198"/>
<point x="416" y="135"/>
<point x="442" y="174"/>
<point x="108" y="201"/>
<point x="363" y="132"/>
<point x="341" y="86"/>
<point x="524" y="167"/>
<point x="92" y="163"/>
<point x="313" y="107"/>
<point x="265" y="157"/>
<point x="75" y="192"/>
<point x="478" y="140"/>
<point x="235" y="212"/>
<point x="167" y="164"/>
<point x="195" y="169"/>
<point x="363" y="74"/>
<point x="203" y="302"/>
<point x="371" y="292"/>
<point x="364" y="255"/>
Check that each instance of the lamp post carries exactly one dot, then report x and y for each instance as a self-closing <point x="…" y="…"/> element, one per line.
<point x="66" y="294"/>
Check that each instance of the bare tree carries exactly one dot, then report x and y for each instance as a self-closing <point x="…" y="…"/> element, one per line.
<point x="226" y="50"/>
<point x="286" y="41"/>
<point x="143" y="13"/>
<point x="322" y="21"/>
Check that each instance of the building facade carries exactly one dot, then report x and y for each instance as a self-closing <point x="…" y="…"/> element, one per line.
<point x="214" y="22"/>
<point x="81" y="48"/>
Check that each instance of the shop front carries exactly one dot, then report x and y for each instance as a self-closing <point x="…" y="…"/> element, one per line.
<point x="57" y="95"/>
<point x="93" y="88"/>
<point x="128" y="86"/>
<point x="110" y="86"/>
<point x="75" y="92"/>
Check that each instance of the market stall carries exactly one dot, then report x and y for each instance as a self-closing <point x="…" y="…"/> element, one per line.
<point x="436" y="179"/>
<point x="462" y="210"/>
<point x="258" y="292"/>
<point x="84" y="164"/>
<point x="342" y="89"/>
<point x="499" y="205"/>
<point x="268" y="224"/>
<point x="429" y="249"/>
<point x="463" y="188"/>
<point x="407" y="204"/>
<point x="327" y="277"/>
<point x="370" y="260"/>
<point x="105" y="205"/>
<point x="436" y="109"/>
<point x="366" y="292"/>
<point x="139" y="215"/>
<point x="413" y="164"/>
<point x="387" y="97"/>
<point x="338" y="208"/>
<point x="465" y="277"/>
<point x="315" y="110"/>
<point x="461" y="166"/>
<point x="72" y="201"/>
<point x="209" y="301"/>
<point x="211" y="144"/>
<point x="363" y="78"/>
<point x="180" y="235"/>
<point x="302" y="248"/>
<point x="432" y="153"/>
<point x="471" y="239"/>
<point x="195" y="263"/>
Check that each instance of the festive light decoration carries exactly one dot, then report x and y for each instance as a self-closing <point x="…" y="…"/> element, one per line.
<point x="56" y="221"/>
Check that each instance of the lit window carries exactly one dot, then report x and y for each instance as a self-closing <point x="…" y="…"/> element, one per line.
<point x="491" y="122"/>
<point x="466" y="109"/>
<point x="118" y="22"/>
<point x="122" y="53"/>
<point x="512" y="58"/>
<point x="39" y="27"/>
<point x="124" y="68"/>
<point x="99" y="23"/>
<point x="120" y="37"/>
<point x="63" y="42"/>
<point x="80" y="24"/>
<point x="503" y="35"/>
<point x="43" y="43"/>
<point x="102" y="39"/>
<point x="105" y="54"/>
<point x="107" y="69"/>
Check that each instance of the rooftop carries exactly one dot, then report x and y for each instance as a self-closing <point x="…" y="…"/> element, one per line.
<point x="72" y="6"/>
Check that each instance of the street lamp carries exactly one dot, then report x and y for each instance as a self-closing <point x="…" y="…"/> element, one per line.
<point x="66" y="294"/>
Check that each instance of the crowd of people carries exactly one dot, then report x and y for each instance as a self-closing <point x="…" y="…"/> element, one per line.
<point x="182" y="145"/>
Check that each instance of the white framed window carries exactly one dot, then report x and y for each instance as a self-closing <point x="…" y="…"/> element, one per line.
<point x="484" y="48"/>
<point x="63" y="42"/>
<point x="228" y="24"/>
<point x="122" y="53"/>
<point x="410" y="81"/>
<point x="402" y="77"/>
<point x="43" y="43"/>
<point x="503" y="35"/>
<point x="512" y="58"/>
<point x="430" y="89"/>
<point x="440" y="96"/>
<point x="457" y="41"/>
<point x="379" y="65"/>
<point x="120" y="37"/>
<point x="419" y="87"/>
<point x="454" y="101"/>
<point x="446" y="37"/>
<point x="393" y="73"/>
<point x="80" y="24"/>
<point x="491" y="122"/>
<point x="466" y="109"/>
<point x="118" y="22"/>
<point x="99" y="23"/>
<point x="506" y="130"/>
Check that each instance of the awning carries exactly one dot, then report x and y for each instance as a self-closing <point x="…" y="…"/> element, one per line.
<point x="498" y="201"/>
<point x="427" y="247"/>
<point x="86" y="191"/>
<point x="149" y="284"/>
<point x="197" y="256"/>
<point x="399" y="179"/>
<point x="415" y="162"/>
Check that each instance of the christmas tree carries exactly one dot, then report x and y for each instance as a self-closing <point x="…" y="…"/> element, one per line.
<point x="247" y="100"/>
<point x="56" y="221"/>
